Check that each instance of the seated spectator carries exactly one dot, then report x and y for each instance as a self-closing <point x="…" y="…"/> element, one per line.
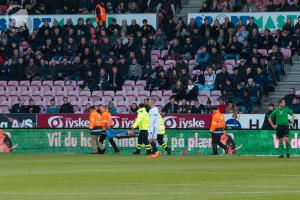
<point x="222" y="107"/>
<point x="184" y="108"/>
<point x="245" y="104"/>
<point x="233" y="50"/>
<point x="199" y="78"/>
<point x="230" y="108"/>
<point x="202" y="59"/>
<point x="184" y="76"/>
<point x="89" y="81"/>
<point x="197" y="108"/>
<point x="163" y="81"/>
<point x="179" y="90"/>
<point x="116" y="80"/>
<point x="289" y="97"/>
<point x="221" y="78"/>
<point x="112" y="109"/>
<point x="135" y="70"/>
<point x="262" y="80"/>
<point x="209" y="109"/>
<point x="133" y="108"/>
<point x="253" y="91"/>
<point x="66" y="107"/>
<point x="31" y="108"/>
<point x="215" y="58"/>
<point x="102" y="80"/>
<point x="152" y="82"/>
<point x="52" y="108"/>
<point x="171" y="107"/>
<point x="295" y="106"/>
<point x="18" y="107"/>
<point x="210" y="78"/>
<point x="192" y="90"/>
<point x="86" y="109"/>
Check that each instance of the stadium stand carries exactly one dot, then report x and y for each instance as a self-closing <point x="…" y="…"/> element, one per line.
<point x="124" y="64"/>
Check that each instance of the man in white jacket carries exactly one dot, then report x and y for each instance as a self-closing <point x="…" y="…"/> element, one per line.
<point x="153" y="127"/>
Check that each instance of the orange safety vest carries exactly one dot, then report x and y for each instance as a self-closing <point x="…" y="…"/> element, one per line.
<point x="106" y="119"/>
<point x="95" y="119"/>
<point x="102" y="14"/>
<point x="217" y="121"/>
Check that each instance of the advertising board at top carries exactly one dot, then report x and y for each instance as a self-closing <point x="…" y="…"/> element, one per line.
<point x="34" y="22"/>
<point x="264" y="20"/>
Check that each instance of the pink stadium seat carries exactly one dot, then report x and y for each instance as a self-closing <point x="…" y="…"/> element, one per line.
<point x="132" y="93"/>
<point x="263" y="52"/>
<point x="38" y="83"/>
<point x="141" y="82"/>
<point x="26" y="83"/>
<point x="47" y="98"/>
<point x="4" y="109"/>
<point x="14" y="83"/>
<point x="73" y="83"/>
<point x="68" y="88"/>
<point x="96" y="95"/>
<point x="80" y="83"/>
<point x="168" y="62"/>
<point x="23" y="88"/>
<point x="59" y="83"/>
<point x="297" y="93"/>
<point x="161" y="62"/>
<point x="130" y="98"/>
<point x="123" y="103"/>
<point x="155" y="52"/>
<point x="56" y="88"/>
<point x="138" y="88"/>
<point x="3" y="83"/>
<point x="156" y="93"/>
<point x="287" y="53"/>
<point x="40" y="93"/>
<point x="144" y="93"/>
<point x="122" y="109"/>
<point x="216" y="93"/>
<point x="214" y="98"/>
<point x="129" y="82"/>
<point x="13" y="98"/>
<point x="229" y="62"/>
<point x="34" y="88"/>
<point x="127" y="88"/>
<point x="49" y="83"/>
<point x="193" y="62"/>
<point x="3" y="98"/>
<point x="118" y="98"/>
<point x="164" y="53"/>
<point x="204" y="93"/>
<point x="2" y="88"/>
<point x="167" y="93"/>
<point x="107" y="99"/>
<point x="121" y="93"/>
<point x="109" y="93"/>
<point x="73" y="93"/>
<point x="37" y="98"/>
<point x="13" y="92"/>
<point x="10" y="88"/>
<point x="154" y="58"/>
<point x="59" y="100"/>
<point x="85" y="93"/>
<point x="62" y="93"/>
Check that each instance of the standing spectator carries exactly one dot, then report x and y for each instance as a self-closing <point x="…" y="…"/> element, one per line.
<point x="295" y="106"/>
<point x="66" y="107"/>
<point x="276" y="58"/>
<point x="251" y="25"/>
<point x="18" y="107"/>
<point x="221" y="78"/>
<point x="262" y="80"/>
<point x="116" y="79"/>
<point x="52" y="108"/>
<point x="31" y="108"/>
<point x="112" y="109"/>
<point x="171" y="107"/>
<point x="266" y="124"/>
<point x="289" y="97"/>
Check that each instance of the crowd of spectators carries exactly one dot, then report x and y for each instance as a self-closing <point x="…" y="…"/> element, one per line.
<point x="105" y="56"/>
<point x="250" y="6"/>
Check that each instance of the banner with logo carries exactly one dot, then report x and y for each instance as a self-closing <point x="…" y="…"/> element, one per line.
<point x="194" y="142"/>
<point x="18" y="121"/>
<point x="264" y="20"/>
<point x="34" y="22"/>
<point x="172" y="121"/>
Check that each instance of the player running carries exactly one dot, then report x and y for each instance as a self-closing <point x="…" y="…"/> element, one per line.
<point x="142" y="122"/>
<point x="281" y="115"/>
<point x="156" y="130"/>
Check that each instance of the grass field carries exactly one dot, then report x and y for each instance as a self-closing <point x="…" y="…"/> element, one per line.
<point x="80" y="177"/>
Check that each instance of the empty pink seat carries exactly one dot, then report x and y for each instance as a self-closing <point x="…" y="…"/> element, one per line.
<point x="59" y="100"/>
<point x="68" y="88"/>
<point x="14" y="83"/>
<point x="214" y="98"/>
<point x="80" y="83"/>
<point x="168" y="62"/>
<point x="3" y="98"/>
<point x="203" y="99"/>
<point x="59" y="83"/>
<point x="2" y="88"/>
<point x="73" y="83"/>
<point x="132" y="93"/>
<point x="10" y="88"/>
<point x="49" y="83"/>
<point x="167" y="93"/>
<point x="85" y="93"/>
<point x="23" y="88"/>
<point x="96" y="95"/>
<point x="131" y="98"/>
<point x="107" y="99"/>
<point x="138" y="88"/>
<point x="127" y="88"/>
<point x="156" y="93"/>
<point x="37" y="98"/>
<point x="13" y="98"/>
<point x="38" y="83"/>
<point x="109" y="93"/>
<point x="73" y="93"/>
<point x="118" y="98"/>
<point x="216" y="93"/>
<point x="61" y="93"/>
<point x="144" y="93"/>
<point x="121" y="93"/>
<point x="164" y="53"/>
<point x="26" y="83"/>
<point x="123" y="103"/>
<point x="4" y="109"/>
<point x="40" y="93"/>
<point x="3" y="83"/>
<point x="122" y="109"/>
<point x="56" y="88"/>
<point x="229" y="62"/>
<point x="154" y="58"/>
<point x="129" y="82"/>
<point x="141" y="82"/>
<point x="155" y="52"/>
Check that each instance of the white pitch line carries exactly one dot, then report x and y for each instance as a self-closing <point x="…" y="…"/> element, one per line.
<point x="258" y="192"/>
<point x="88" y="193"/>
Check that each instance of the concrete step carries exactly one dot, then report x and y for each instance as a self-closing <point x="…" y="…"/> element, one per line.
<point x="293" y="77"/>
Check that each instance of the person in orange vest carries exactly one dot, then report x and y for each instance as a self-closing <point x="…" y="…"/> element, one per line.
<point x="95" y="130"/>
<point x="100" y="13"/>
<point x="217" y="127"/>
<point x="106" y="124"/>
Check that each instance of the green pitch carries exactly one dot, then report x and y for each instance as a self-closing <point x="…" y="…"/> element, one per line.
<point x="88" y="177"/>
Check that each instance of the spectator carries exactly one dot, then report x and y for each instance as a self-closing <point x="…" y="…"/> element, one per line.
<point x="208" y="108"/>
<point x="86" y="109"/>
<point x="249" y="7"/>
<point x="245" y="103"/>
<point x="222" y="107"/>
<point x="102" y="80"/>
<point x="266" y="124"/>
<point x="221" y="78"/>
<point x="184" y="108"/>
<point x="262" y="80"/>
<point x="253" y="91"/>
<point x="202" y="59"/>
<point x="192" y="90"/>
<point x="210" y="78"/>
<point x="295" y="106"/>
<point x="215" y="58"/>
<point x="52" y="108"/>
<point x="30" y="71"/>
<point x="171" y="107"/>
<point x="197" y="108"/>
<point x="116" y="79"/>
<point x="133" y="108"/>
<point x="251" y="25"/>
<point x="18" y="107"/>
<point x="276" y="58"/>
<point x="31" y="108"/>
<point x="66" y="107"/>
<point x="112" y="109"/>
<point x="199" y="78"/>
<point x="135" y="70"/>
<point x="289" y="97"/>
<point x="179" y="90"/>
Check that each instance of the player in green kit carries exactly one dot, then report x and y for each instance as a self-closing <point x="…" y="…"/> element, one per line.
<point x="281" y="114"/>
